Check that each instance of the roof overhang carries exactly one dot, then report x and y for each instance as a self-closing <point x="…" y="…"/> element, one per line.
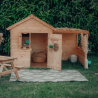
<point x="70" y="30"/>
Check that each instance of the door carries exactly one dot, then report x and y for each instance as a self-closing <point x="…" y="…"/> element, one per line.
<point x="54" y="56"/>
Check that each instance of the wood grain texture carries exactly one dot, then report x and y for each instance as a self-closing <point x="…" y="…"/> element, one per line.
<point x="70" y="31"/>
<point x="82" y="57"/>
<point x="31" y="26"/>
<point x="69" y="44"/>
<point x="38" y="42"/>
<point x="9" y="71"/>
<point x="1" y="68"/>
<point x="54" y="57"/>
<point x="12" y="64"/>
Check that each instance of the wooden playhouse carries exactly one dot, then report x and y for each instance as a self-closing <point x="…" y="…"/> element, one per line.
<point x="40" y="36"/>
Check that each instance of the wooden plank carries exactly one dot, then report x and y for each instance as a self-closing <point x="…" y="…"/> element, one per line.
<point x="1" y="68"/>
<point x="13" y="43"/>
<point x="20" y="41"/>
<point x="9" y="65"/>
<point x="80" y="56"/>
<point x="29" y="40"/>
<point x="19" y="66"/>
<point x="7" y="72"/>
<point x="24" y="59"/>
<point x="14" y="38"/>
<point x="54" y="58"/>
<point x="5" y="68"/>
<point x="15" y="34"/>
<point x="12" y="64"/>
<point x="71" y="31"/>
<point x="21" y="55"/>
<point x="14" y="46"/>
<point x="7" y="61"/>
<point x="25" y="64"/>
<point x="81" y="60"/>
<point x="32" y="26"/>
<point x="77" y="39"/>
<point x="6" y="57"/>
<point x="36" y="30"/>
<point x="10" y="41"/>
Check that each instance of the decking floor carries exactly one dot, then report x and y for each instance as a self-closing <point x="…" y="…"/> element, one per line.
<point x="40" y="65"/>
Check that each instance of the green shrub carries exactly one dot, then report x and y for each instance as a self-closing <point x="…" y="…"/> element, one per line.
<point x="50" y="46"/>
<point x="81" y="14"/>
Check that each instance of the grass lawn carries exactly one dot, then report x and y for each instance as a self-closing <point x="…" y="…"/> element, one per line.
<point x="55" y="90"/>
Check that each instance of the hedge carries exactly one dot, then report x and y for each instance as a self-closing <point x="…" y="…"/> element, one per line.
<point x="80" y="14"/>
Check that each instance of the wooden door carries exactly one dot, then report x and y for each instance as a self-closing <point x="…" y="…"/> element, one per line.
<point x="54" y="56"/>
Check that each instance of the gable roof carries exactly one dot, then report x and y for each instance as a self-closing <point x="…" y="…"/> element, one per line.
<point x="31" y="17"/>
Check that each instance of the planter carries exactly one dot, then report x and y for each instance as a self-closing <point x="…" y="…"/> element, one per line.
<point x="26" y="41"/>
<point x="50" y="49"/>
<point x="73" y="58"/>
<point x="89" y="62"/>
<point x="24" y="47"/>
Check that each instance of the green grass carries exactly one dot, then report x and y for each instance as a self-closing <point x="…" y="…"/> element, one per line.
<point x="55" y="90"/>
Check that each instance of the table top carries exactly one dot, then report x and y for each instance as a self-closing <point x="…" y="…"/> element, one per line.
<point x="4" y="58"/>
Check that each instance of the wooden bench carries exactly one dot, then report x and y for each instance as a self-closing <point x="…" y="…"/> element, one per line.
<point x="3" y="61"/>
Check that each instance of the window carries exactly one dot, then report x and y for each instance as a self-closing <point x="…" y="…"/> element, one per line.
<point x="24" y="41"/>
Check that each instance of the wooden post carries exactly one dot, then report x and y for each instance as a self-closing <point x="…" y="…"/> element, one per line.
<point x="86" y="63"/>
<point x="1" y="68"/>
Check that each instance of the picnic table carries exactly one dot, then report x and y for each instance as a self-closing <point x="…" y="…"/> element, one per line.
<point x="6" y="59"/>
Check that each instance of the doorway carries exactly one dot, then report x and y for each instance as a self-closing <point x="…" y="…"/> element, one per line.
<point x="39" y="44"/>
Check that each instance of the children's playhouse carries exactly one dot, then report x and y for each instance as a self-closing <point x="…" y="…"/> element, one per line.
<point x="40" y="35"/>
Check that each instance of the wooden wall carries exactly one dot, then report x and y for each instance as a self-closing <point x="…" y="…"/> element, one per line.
<point x="23" y="56"/>
<point x="38" y="42"/>
<point x="32" y="26"/>
<point x="69" y="44"/>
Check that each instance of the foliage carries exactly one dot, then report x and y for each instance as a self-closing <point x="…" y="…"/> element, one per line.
<point x="50" y="46"/>
<point x="81" y="14"/>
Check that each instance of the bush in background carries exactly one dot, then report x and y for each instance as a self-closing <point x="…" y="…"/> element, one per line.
<point x="80" y="14"/>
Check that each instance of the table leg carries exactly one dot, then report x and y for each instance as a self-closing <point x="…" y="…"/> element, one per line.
<point x="1" y="68"/>
<point x="5" y="68"/>
<point x="12" y="64"/>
